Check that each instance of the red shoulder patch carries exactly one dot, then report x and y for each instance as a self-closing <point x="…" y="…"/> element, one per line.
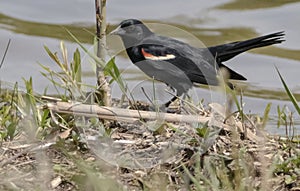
<point x="146" y="54"/>
<point x="153" y="57"/>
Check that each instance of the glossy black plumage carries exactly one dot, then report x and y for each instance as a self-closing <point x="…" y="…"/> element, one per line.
<point x="178" y="64"/>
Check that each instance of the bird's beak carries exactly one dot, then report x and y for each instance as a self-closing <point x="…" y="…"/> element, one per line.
<point x="117" y="31"/>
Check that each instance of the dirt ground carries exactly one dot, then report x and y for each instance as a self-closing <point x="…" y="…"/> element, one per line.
<point x="149" y="155"/>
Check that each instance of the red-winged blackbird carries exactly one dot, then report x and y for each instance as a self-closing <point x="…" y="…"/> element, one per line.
<point x="178" y="64"/>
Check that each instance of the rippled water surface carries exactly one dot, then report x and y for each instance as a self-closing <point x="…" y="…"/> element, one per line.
<point x="31" y="24"/>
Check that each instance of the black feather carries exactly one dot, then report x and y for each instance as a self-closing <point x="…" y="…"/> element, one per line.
<point x="187" y="64"/>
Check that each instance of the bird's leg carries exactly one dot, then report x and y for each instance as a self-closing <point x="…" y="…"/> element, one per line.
<point x="171" y="88"/>
<point x="171" y="101"/>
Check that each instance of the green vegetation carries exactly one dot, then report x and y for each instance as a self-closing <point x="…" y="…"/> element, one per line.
<point x="254" y="4"/>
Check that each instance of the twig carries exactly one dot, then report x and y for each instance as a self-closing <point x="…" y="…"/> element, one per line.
<point x="133" y="116"/>
<point x="111" y="113"/>
<point x="5" y="52"/>
<point x="147" y="96"/>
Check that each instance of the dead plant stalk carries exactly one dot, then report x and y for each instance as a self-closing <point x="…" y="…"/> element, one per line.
<point x="103" y="85"/>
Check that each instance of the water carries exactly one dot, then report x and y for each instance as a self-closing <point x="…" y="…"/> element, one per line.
<point x="32" y="24"/>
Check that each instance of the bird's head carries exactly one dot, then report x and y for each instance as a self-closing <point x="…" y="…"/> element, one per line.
<point x="131" y="31"/>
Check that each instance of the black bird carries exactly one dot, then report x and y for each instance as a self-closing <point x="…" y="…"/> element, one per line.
<point x="178" y="64"/>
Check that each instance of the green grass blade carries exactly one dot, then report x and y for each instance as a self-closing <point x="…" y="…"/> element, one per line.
<point x="93" y="56"/>
<point x="76" y="67"/>
<point x="289" y="93"/>
<point x="265" y="118"/>
<point x="53" y="56"/>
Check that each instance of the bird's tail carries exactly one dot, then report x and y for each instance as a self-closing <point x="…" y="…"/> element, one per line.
<point x="227" y="51"/>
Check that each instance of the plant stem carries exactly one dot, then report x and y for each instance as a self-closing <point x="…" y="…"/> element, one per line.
<point x="103" y="85"/>
<point x="2" y="61"/>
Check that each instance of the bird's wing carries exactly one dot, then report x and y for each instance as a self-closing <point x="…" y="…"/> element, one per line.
<point x="194" y="62"/>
